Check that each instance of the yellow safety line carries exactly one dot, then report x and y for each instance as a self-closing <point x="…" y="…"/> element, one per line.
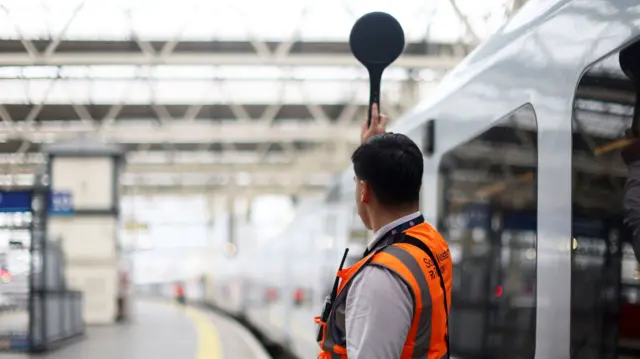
<point x="208" y="336"/>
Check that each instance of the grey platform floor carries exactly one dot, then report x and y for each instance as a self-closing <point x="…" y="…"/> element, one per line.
<point x="161" y="330"/>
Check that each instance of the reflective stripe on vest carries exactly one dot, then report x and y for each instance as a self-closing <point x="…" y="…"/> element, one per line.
<point x="427" y="332"/>
<point x="398" y="259"/>
<point x="438" y="246"/>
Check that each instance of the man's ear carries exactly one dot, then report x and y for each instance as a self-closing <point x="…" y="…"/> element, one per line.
<point x="365" y="192"/>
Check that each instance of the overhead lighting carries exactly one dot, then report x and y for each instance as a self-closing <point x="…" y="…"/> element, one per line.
<point x="205" y="72"/>
<point x="220" y="20"/>
<point x="190" y="91"/>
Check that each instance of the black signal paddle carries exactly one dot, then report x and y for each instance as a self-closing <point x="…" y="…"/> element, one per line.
<point x="376" y="40"/>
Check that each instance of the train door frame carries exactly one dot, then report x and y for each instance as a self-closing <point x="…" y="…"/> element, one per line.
<point x="438" y="165"/>
<point x="615" y="231"/>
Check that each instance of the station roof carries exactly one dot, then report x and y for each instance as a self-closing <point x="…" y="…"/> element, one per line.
<point x="263" y="95"/>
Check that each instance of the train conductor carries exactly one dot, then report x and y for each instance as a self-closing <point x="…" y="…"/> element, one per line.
<point x="394" y="302"/>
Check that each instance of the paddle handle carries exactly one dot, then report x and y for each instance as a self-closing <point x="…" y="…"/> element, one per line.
<point x="375" y="77"/>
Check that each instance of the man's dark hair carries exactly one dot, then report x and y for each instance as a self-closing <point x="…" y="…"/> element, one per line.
<point x="392" y="165"/>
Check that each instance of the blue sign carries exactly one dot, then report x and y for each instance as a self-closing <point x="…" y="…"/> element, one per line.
<point x="520" y="220"/>
<point x="61" y="203"/>
<point x="477" y="215"/>
<point x="15" y="201"/>
<point x="19" y="343"/>
<point x="589" y="227"/>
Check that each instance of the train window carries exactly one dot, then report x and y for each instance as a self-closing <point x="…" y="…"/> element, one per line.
<point x="488" y="216"/>
<point x="605" y="285"/>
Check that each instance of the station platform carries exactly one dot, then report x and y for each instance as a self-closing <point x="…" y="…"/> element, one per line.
<point x="303" y="328"/>
<point x="160" y="329"/>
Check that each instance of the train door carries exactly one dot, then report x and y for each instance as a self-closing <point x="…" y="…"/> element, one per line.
<point x="488" y="216"/>
<point x="605" y="282"/>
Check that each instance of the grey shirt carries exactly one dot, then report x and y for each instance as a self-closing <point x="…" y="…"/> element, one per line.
<point x="379" y="309"/>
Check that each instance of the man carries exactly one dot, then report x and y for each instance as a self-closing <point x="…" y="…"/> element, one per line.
<point x="180" y="297"/>
<point x="394" y="302"/>
<point x="123" y="293"/>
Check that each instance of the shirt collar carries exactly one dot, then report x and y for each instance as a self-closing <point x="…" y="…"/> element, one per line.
<point x="389" y="226"/>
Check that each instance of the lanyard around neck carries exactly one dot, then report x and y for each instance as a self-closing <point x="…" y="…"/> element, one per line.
<point x="395" y="230"/>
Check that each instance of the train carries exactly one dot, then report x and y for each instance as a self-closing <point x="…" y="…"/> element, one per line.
<point x="522" y="176"/>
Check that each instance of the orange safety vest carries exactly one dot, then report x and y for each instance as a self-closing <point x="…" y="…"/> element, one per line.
<point x="409" y="258"/>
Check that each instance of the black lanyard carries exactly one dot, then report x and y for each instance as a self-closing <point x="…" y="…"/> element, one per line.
<point x="395" y="230"/>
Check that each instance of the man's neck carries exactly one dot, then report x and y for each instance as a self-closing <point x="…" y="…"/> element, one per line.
<point x="387" y="217"/>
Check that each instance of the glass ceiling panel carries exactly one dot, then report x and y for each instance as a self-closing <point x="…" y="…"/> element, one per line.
<point x="105" y="91"/>
<point x="187" y="72"/>
<point x="328" y="20"/>
<point x="203" y="157"/>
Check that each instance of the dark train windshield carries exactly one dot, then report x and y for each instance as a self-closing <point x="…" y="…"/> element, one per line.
<point x="489" y="204"/>
<point x="605" y="285"/>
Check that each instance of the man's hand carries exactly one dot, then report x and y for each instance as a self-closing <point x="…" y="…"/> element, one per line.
<point x="378" y="124"/>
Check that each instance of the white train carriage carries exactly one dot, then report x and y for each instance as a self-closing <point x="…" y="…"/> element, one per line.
<point x="524" y="179"/>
